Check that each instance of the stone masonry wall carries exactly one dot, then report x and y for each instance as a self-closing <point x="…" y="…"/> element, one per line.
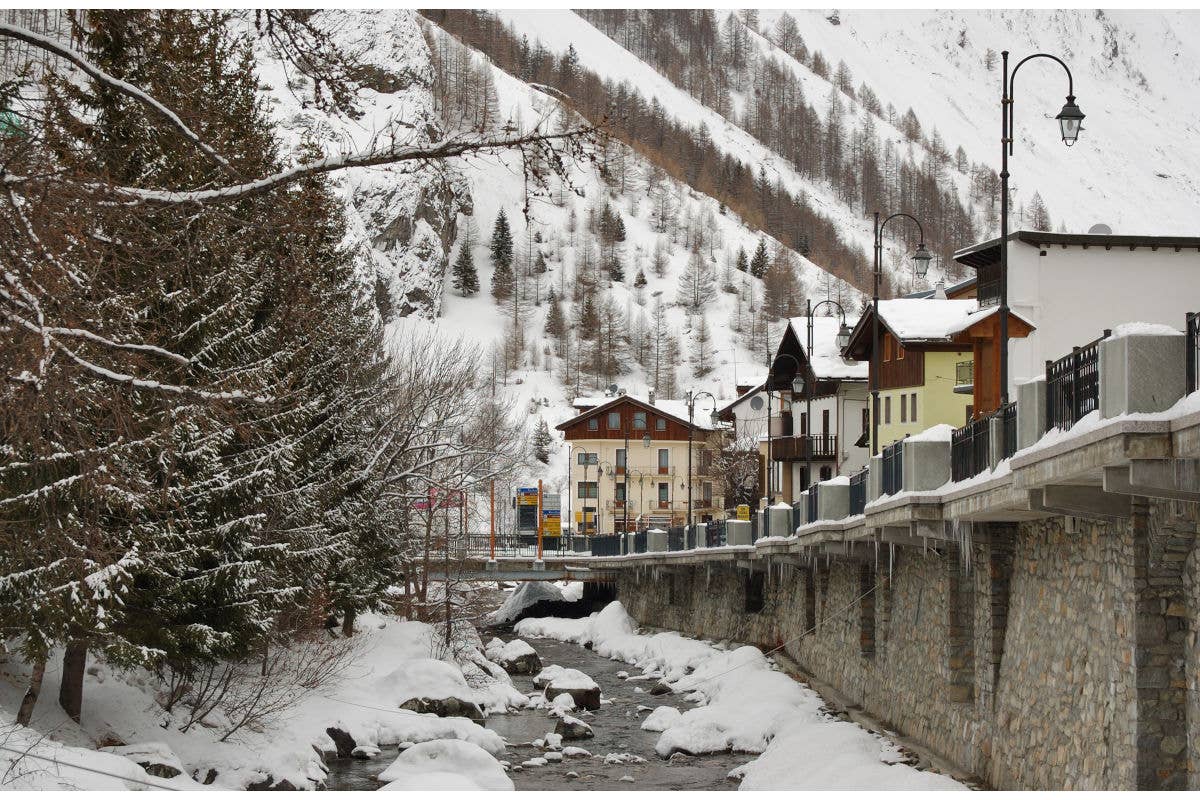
<point x="1022" y="652"/>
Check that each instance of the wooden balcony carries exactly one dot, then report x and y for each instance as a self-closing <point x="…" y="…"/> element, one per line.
<point x="901" y="372"/>
<point x="798" y="448"/>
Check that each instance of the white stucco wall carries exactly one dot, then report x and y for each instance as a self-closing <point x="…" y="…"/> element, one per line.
<point x="1071" y="295"/>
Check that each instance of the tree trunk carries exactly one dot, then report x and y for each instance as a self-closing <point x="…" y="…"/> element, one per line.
<point x="348" y="617"/>
<point x="31" y="694"/>
<point x="70" y="693"/>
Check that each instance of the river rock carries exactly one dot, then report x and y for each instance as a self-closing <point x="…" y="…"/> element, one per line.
<point x="155" y="757"/>
<point x="660" y="688"/>
<point x="516" y="657"/>
<point x="557" y="680"/>
<point x="572" y="729"/>
<point x="444" y="707"/>
<point x="365" y="752"/>
<point x="343" y="741"/>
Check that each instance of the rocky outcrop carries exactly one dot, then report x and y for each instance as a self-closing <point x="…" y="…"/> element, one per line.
<point x="401" y="219"/>
<point x="444" y="707"/>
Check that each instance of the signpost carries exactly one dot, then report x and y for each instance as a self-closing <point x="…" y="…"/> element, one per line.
<point x="551" y="515"/>
<point x="743" y="512"/>
<point x="527" y="509"/>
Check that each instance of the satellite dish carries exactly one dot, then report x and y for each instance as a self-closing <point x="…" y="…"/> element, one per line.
<point x="756" y="402"/>
<point x="612" y="388"/>
<point x="1101" y="229"/>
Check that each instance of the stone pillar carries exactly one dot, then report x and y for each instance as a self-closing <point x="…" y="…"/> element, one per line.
<point x="866" y="610"/>
<point x="1031" y="412"/>
<point x="1160" y="649"/>
<point x="960" y="626"/>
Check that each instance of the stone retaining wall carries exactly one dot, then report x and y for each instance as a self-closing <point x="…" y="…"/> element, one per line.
<point x="1054" y="654"/>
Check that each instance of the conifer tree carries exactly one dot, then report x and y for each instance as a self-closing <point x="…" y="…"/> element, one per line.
<point x="742" y="263"/>
<point x="542" y="441"/>
<point x="466" y="279"/>
<point x="760" y="262"/>
<point x="502" y="258"/>
<point x="555" y="324"/>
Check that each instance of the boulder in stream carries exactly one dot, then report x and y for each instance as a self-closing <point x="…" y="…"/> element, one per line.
<point x="572" y="729"/>
<point x="556" y="680"/>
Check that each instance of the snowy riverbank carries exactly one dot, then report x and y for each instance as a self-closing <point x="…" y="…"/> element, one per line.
<point x="394" y="663"/>
<point x="745" y="704"/>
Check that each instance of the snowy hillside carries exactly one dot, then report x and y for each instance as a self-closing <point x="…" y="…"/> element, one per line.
<point x="1136" y="166"/>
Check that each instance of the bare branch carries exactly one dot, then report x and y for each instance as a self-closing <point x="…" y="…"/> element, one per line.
<point x="51" y="46"/>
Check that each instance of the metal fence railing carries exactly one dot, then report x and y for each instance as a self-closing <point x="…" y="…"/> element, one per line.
<point x="714" y="534"/>
<point x="639" y="542"/>
<point x="970" y="448"/>
<point x="797" y="514"/>
<point x="675" y="539"/>
<point x="1192" y="368"/>
<point x="1008" y="426"/>
<point x="1073" y="385"/>
<point x="858" y="491"/>
<point x="813" y="503"/>
<point x="893" y="467"/>
<point x="606" y="545"/>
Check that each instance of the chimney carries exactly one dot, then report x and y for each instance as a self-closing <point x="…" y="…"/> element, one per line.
<point x="650" y="397"/>
<point x="939" y="291"/>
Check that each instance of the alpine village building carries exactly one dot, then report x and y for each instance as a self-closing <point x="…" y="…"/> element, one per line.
<point x="836" y="440"/>
<point x="640" y="443"/>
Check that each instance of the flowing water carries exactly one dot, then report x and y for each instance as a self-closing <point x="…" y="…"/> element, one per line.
<point x="617" y="729"/>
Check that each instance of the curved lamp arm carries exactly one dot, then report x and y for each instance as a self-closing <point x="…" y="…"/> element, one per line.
<point x="1010" y="90"/>
<point x="882" y="225"/>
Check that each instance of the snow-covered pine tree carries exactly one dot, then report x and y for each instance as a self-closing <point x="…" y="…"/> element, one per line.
<point x="742" y="262"/>
<point x="761" y="260"/>
<point x="466" y="279"/>
<point x="502" y="258"/>
<point x="542" y="441"/>
<point x="701" y="348"/>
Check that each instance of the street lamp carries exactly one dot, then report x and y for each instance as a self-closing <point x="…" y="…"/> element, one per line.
<point x="921" y="259"/>
<point x="587" y="461"/>
<point x="692" y="397"/>
<point x="1070" y="121"/>
<point x="843" y="338"/>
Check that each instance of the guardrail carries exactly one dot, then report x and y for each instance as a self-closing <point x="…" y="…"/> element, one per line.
<point x="812" y="500"/>
<point x="606" y="545"/>
<point x="893" y="467"/>
<point x="970" y="448"/>
<point x="1073" y="385"/>
<point x="1008" y="426"/>
<point x="675" y="538"/>
<point x="858" y="491"/>
<point x="714" y="533"/>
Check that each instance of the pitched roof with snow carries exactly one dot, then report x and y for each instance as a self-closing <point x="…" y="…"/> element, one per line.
<point x="826" y="358"/>
<point x="671" y="408"/>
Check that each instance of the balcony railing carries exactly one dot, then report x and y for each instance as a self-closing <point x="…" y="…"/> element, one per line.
<point x="1193" y="351"/>
<point x="970" y="448"/>
<point x="893" y="468"/>
<point x="988" y="293"/>
<point x="1073" y="385"/>
<point x="858" y="491"/>
<point x="797" y="448"/>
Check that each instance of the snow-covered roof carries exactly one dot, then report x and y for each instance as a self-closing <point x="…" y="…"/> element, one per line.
<point x="672" y="408"/>
<point x="918" y="319"/>
<point x="826" y="359"/>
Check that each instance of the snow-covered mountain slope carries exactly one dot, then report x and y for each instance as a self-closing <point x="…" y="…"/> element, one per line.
<point x="1136" y="166"/>
<point x="402" y="218"/>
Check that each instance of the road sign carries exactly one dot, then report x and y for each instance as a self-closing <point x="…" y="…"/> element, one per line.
<point x="551" y="522"/>
<point x="551" y="501"/>
<point x="743" y="512"/>
<point x="527" y="496"/>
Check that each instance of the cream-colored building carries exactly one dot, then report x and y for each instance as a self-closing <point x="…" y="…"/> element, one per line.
<point x="629" y="464"/>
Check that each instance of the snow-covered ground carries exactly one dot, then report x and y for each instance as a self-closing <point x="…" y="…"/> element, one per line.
<point x="392" y="664"/>
<point x="744" y="703"/>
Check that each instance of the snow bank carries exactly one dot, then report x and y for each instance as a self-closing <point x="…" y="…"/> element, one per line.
<point x="746" y="704"/>
<point x="526" y="595"/>
<point x="445" y="765"/>
<point x="421" y="678"/>
<point x="564" y="678"/>
<point x="1143" y="329"/>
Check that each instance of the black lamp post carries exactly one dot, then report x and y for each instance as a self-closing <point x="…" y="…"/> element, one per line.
<point x="691" y="405"/>
<point x="1070" y="121"/>
<point x="921" y="260"/>
<point x="843" y="338"/>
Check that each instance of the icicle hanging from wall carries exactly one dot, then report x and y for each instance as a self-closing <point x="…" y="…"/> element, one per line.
<point x="891" y="559"/>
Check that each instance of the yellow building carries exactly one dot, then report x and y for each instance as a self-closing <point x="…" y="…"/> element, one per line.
<point x="925" y="363"/>
<point x="629" y="464"/>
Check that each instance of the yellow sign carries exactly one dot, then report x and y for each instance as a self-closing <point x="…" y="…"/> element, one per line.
<point x="527" y="497"/>
<point x="551" y="525"/>
<point x="743" y="512"/>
